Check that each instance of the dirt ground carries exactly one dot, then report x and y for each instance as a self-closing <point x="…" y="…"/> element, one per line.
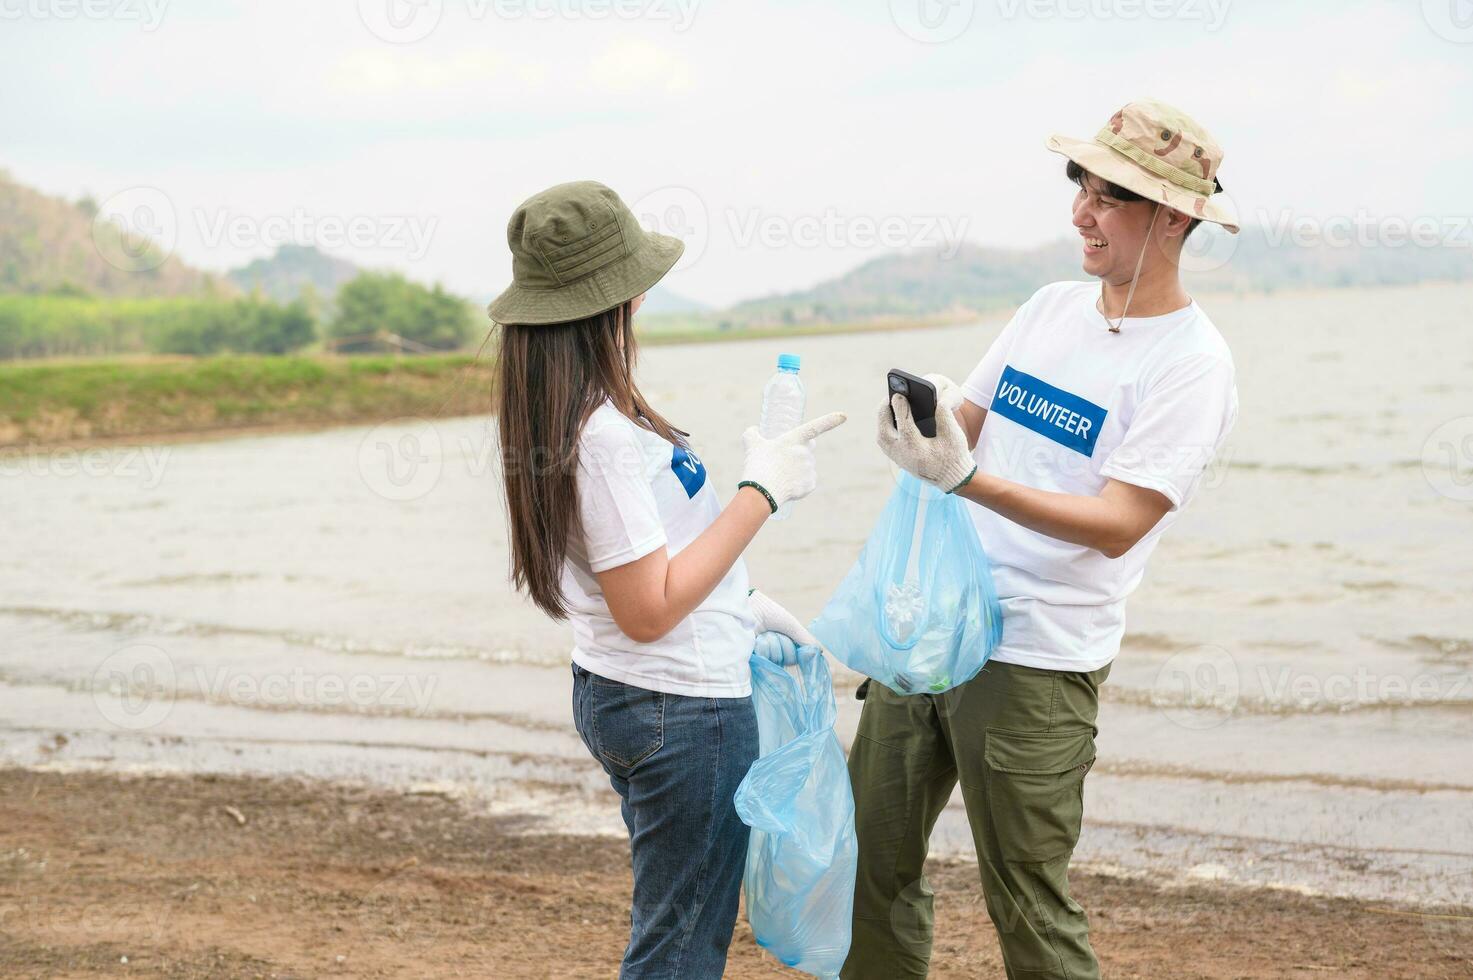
<point x="105" y="875"/>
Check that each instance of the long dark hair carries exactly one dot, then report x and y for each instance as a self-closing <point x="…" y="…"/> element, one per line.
<point x="550" y="378"/>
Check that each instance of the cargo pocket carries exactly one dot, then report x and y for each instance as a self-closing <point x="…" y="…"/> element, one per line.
<point x="1035" y="791"/>
<point x="628" y="723"/>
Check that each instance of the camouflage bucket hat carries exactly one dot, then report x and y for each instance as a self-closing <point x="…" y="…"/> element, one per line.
<point x="576" y="250"/>
<point x="1162" y="154"/>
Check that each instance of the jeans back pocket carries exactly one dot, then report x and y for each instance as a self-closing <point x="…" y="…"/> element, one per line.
<point x="626" y="724"/>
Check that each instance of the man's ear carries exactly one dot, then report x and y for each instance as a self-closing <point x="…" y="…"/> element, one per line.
<point x="1176" y="223"/>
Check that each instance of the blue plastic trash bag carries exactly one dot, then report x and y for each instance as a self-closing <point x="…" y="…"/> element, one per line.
<point x="918" y="611"/>
<point x="803" y="854"/>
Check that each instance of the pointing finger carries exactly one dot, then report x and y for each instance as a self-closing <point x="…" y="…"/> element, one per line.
<point x="817" y="427"/>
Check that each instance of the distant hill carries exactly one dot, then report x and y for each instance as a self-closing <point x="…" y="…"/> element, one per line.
<point x="920" y="283"/>
<point x="662" y="300"/>
<point x="47" y="245"/>
<point x="293" y="269"/>
<point x="1264" y="260"/>
<point x="977" y="279"/>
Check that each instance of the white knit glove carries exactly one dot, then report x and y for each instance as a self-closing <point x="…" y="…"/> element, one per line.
<point x="945" y="461"/>
<point x="779" y="634"/>
<point x="783" y="467"/>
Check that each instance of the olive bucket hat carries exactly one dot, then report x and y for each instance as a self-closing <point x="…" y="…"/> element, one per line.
<point x="1162" y="154"/>
<point x="576" y="250"/>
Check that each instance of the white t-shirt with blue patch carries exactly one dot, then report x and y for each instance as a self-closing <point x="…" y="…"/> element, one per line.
<point x="638" y="492"/>
<point x="1070" y="406"/>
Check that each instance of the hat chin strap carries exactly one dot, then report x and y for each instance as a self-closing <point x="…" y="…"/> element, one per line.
<point x="1135" y="276"/>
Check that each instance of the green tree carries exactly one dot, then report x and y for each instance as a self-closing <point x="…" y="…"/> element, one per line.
<point x="252" y="325"/>
<point x="376" y="304"/>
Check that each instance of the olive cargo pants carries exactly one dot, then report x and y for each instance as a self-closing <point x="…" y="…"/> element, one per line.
<point x="1020" y="740"/>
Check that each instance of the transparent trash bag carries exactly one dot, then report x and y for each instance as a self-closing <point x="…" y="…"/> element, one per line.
<point x="918" y="611"/>
<point x="803" y="854"/>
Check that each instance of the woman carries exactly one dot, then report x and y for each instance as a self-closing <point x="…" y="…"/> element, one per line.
<point x="615" y="527"/>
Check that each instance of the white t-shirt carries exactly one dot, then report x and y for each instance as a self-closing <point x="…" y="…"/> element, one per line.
<point x="1071" y="405"/>
<point x="637" y="493"/>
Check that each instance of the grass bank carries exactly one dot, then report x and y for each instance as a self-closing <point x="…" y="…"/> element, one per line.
<point x="65" y="401"/>
<point x="58" y="402"/>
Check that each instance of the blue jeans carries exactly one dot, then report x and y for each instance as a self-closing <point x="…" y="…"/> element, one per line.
<point x="675" y="762"/>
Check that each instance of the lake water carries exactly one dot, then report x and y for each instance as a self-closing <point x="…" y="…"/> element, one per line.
<point x="1293" y="704"/>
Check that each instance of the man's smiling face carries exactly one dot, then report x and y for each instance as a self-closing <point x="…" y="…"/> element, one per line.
<point x="1111" y="231"/>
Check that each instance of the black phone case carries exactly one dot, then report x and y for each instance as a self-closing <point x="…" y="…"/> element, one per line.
<point x="922" y="397"/>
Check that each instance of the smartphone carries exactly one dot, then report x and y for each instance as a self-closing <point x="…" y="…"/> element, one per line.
<point x="922" y="397"/>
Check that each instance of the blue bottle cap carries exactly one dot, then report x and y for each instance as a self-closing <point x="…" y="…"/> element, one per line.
<point x="789" y="362"/>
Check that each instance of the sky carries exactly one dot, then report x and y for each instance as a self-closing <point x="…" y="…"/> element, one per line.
<point x="786" y="140"/>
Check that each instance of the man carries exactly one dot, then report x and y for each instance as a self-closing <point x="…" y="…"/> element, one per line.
<point x="1080" y="436"/>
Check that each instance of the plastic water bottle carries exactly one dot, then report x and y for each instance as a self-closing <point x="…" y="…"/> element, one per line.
<point x="783" y="401"/>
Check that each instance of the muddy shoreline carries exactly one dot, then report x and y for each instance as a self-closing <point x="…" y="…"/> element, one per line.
<point x="209" y="876"/>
